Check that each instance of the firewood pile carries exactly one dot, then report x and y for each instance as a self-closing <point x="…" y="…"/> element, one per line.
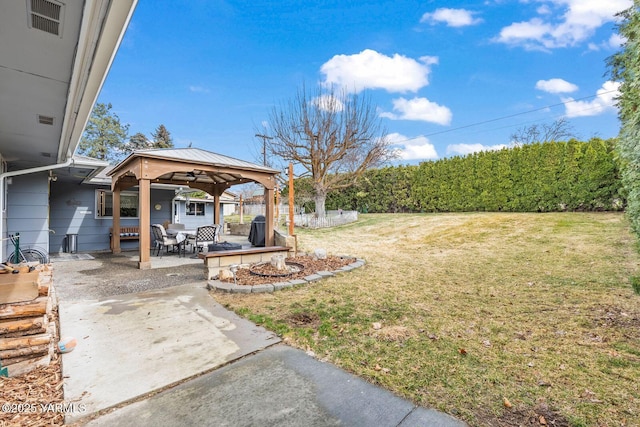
<point x="28" y="330"/>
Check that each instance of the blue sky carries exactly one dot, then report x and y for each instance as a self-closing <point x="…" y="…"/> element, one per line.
<point x="447" y="78"/>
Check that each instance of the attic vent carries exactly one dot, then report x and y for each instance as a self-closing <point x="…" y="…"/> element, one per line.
<point x="45" y="120"/>
<point x="45" y="15"/>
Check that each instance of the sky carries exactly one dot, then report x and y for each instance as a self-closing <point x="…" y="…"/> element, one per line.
<point x="446" y="77"/>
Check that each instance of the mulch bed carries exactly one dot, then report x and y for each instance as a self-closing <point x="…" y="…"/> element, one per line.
<point x="311" y="265"/>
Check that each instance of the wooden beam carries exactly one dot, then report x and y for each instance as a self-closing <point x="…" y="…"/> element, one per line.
<point x="291" y="200"/>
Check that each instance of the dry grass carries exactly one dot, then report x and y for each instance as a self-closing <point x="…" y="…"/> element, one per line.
<point x="462" y="311"/>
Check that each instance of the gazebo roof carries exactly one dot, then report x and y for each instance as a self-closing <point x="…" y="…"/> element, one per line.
<point x="188" y="166"/>
<point x="198" y="155"/>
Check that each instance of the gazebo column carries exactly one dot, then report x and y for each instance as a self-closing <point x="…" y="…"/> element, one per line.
<point x="268" y="202"/>
<point x="216" y="208"/>
<point x="115" y="235"/>
<point x="144" y="213"/>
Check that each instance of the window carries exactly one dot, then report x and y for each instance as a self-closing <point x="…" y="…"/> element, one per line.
<point x="195" y="208"/>
<point x="128" y="204"/>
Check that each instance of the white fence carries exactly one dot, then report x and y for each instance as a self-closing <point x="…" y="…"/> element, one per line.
<point x="332" y="219"/>
<point x="259" y="209"/>
<point x="310" y="220"/>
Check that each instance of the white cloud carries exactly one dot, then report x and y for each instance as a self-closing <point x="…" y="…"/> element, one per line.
<point x="544" y="10"/>
<point x="604" y="101"/>
<point x="198" y="89"/>
<point x="451" y="17"/>
<point x="464" y="149"/>
<point x="372" y="70"/>
<point x="556" y="86"/>
<point x="615" y="42"/>
<point x="578" y="22"/>
<point x="328" y="103"/>
<point x="419" y="109"/>
<point x="413" y="149"/>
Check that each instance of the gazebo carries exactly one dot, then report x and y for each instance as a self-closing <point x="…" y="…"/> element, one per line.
<point x="192" y="167"/>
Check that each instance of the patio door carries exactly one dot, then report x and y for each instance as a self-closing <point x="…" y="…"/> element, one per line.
<point x="176" y="211"/>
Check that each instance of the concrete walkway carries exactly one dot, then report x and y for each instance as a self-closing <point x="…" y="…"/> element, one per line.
<point x="172" y="356"/>
<point x="279" y="386"/>
<point x="130" y="345"/>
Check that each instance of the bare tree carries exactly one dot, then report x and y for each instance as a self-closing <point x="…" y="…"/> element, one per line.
<point x="559" y="130"/>
<point x="334" y="136"/>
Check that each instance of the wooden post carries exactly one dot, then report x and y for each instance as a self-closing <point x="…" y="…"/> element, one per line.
<point x="216" y="208"/>
<point x="277" y="207"/>
<point x="144" y="213"/>
<point x="268" y="199"/>
<point x="241" y="213"/>
<point x="291" y="213"/>
<point x="115" y="235"/>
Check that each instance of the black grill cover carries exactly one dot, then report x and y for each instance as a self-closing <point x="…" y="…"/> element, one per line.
<point x="223" y="246"/>
<point x="257" y="232"/>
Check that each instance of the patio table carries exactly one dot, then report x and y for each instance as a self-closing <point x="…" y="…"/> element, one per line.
<point x="181" y="236"/>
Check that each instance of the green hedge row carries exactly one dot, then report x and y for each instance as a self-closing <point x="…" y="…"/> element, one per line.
<point x="554" y="176"/>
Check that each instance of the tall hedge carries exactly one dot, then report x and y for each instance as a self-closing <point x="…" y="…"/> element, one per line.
<point x="542" y="177"/>
<point x="625" y="68"/>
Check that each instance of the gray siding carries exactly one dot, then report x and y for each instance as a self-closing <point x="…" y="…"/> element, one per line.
<point x="73" y="212"/>
<point x="191" y="222"/>
<point x="28" y="210"/>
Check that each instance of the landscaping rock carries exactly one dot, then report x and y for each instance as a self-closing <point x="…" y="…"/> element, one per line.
<point x="256" y="289"/>
<point x="325" y="274"/>
<point x="281" y="285"/>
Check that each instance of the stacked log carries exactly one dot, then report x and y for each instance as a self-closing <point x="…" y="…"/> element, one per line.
<point x="28" y="332"/>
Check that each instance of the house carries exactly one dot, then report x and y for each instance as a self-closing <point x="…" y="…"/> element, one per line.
<point x="197" y="211"/>
<point x="54" y="58"/>
<point x="81" y="204"/>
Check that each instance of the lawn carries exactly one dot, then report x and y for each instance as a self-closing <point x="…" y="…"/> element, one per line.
<point x="495" y="318"/>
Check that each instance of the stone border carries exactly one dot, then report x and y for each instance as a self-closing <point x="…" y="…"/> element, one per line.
<point x="217" y="285"/>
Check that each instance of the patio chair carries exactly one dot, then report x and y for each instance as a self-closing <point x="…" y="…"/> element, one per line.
<point x="205" y="235"/>
<point x="164" y="241"/>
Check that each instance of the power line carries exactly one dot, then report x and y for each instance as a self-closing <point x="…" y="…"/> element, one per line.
<point x="504" y="117"/>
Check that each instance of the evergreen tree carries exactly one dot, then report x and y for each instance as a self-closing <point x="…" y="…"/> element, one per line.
<point x="625" y="68"/>
<point x="162" y="138"/>
<point x="139" y="141"/>
<point x="104" y="137"/>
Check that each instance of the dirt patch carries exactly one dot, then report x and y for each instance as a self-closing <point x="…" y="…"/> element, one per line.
<point x="540" y="416"/>
<point x="393" y="333"/>
<point x="616" y="317"/>
<point x="311" y="265"/>
<point x="303" y="319"/>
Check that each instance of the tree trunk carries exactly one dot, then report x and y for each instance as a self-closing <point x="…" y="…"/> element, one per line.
<point x="320" y="205"/>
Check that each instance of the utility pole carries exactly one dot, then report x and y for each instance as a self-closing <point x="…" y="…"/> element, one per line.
<point x="264" y="147"/>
